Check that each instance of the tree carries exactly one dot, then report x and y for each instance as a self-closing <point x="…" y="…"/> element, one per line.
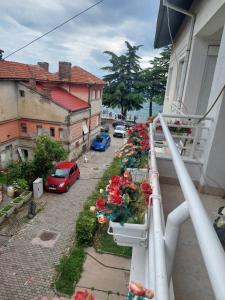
<point x="46" y="153"/>
<point x="154" y="78"/>
<point x="123" y="81"/>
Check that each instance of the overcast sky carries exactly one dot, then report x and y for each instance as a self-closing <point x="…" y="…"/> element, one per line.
<point x="83" y="40"/>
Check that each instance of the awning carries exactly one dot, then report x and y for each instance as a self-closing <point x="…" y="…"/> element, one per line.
<point x="85" y="128"/>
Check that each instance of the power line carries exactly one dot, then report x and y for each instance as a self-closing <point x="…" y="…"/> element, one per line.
<point x="53" y="29"/>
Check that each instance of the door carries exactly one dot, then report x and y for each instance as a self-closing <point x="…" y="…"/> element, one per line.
<point x="72" y="176"/>
<point x="207" y="79"/>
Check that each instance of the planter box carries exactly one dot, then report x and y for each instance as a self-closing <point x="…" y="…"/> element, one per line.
<point x="138" y="175"/>
<point x="2" y="218"/>
<point x="26" y="196"/>
<point x="18" y="204"/>
<point x="9" y="212"/>
<point x="131" y="235"/>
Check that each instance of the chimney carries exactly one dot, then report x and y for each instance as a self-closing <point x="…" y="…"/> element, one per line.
<point x="44" y="65"/>
<point x="46" y="92"/>
<point x="64" y="70"/>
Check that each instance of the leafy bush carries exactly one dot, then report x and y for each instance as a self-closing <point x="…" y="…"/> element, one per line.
<point x="24" y="170"/>
<point x="20" y="185"/>
<point x="46" y="152"/>
<point x="86" y="226"/>
<point x="70" y="269"/>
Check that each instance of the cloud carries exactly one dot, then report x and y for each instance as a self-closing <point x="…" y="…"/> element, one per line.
<point x="83" y="40"/>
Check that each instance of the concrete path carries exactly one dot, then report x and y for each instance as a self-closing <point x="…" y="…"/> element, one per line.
<point x="26" y="269"/>
<point x="190" y="277"/>
<point x="106" y="275"/>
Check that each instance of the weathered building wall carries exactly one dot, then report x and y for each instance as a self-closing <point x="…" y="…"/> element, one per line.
<point x="8" y="100"/>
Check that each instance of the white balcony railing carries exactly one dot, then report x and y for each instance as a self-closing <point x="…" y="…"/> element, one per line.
<point x="189" y="134"/>
<point x="163" y="240"/>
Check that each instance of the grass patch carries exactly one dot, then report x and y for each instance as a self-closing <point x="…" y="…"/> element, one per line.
<point x="70" y="269"/>
<point x="104" y="243"/>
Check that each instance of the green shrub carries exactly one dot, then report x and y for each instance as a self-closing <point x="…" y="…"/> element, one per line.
<point x="20" y="184"/>
<point x="86" y="226"/>
<point x="70" y="269"/>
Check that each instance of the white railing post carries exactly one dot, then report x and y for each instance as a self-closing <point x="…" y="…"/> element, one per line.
<point x="210" y="246"/>
<point x="195" y="141"/>
<point x="174" y="220"/>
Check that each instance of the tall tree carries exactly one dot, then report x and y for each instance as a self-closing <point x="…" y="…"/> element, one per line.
<point x="123" y="81"/>
<point x="155" y="78"/>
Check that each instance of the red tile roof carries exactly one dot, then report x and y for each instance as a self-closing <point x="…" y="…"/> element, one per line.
<point x="64" y="99"/>
<point x="19" y="71"/>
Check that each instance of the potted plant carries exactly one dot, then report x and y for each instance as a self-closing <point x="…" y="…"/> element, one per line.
<point x="123" y="205"/>
<point x="18" y="202"/>
<point x="8" y="209"/>
<point x="134" y="154"/>
<point x="20" y="185"/>
<point x="2" y="217"/>
<point x="26" y="195"/>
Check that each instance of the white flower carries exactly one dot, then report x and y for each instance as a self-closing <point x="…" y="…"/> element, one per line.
<point x="101" y="191"/>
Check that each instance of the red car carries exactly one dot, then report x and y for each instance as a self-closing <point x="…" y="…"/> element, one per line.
<point x="62" y="177"/>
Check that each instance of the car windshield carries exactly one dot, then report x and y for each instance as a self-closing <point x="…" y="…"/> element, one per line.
<point x="119" y="127"/>
<point x="99" y="139"/>
<point x="60" y="173"/>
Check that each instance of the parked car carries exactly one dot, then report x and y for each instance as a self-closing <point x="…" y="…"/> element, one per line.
<point x="104" y="128"/>
<point x="118" y="122"/>
<point x="62" y="177"/>
<point x="120" y="131"/>
<point x="101" y="142"/>
<point x="129" y="124"/>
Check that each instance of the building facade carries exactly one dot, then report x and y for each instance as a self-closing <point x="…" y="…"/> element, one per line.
<point x="65" y="105"/>
<point x="196" y="29"/>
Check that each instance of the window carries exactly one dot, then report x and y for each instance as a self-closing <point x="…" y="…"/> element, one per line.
<point x="22" y="93"/>
<point x="61" y="133"/>
<point x="85" y="128"/>
<point x="25" y="153"/>
<point x="39" y="130"/>
<point x="52" y="131"/>
<point x="23" y="127"/>
<point x="75" y="167"/>
<point x="72" y="171"/>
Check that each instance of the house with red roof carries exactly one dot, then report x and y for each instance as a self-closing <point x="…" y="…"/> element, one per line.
<point x="66" y="105"/>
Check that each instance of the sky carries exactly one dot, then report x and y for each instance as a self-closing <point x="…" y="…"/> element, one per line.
<point x="83" y="40"/>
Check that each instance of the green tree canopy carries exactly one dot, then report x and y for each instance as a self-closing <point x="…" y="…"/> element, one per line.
<point x="46" y="153"/>
<point x="154" y="78"/>
<point x="123" y="81"/>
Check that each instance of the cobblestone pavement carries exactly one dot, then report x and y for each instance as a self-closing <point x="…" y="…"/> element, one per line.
<point x="27" y="270"/>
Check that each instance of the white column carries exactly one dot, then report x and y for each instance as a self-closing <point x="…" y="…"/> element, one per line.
<point x="213" y="173"/>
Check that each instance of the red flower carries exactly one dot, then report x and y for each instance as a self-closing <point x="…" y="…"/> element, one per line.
<point x="83" y="295"/>
<point x="146" y="188"/>
<point x="100" y="203"/>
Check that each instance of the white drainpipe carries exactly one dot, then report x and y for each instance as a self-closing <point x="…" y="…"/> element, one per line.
<point x="186" y="61"/>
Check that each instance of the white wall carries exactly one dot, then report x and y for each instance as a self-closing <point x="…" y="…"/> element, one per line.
<point x="8" y="100"/>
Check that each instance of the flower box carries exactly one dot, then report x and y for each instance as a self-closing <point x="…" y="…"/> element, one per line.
<point x="26" y="195"/>
<point x="132" y="235"/>
<point x="2" y="217"/>
<point x="18" y="202"/>
<point x="8" y="209"/>
<point x="138" y="175"/>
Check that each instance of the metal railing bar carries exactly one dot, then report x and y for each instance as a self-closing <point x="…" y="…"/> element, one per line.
<point x="197" y="117"/>
<point x="211" y="248"/>
<point x="162" y="289"/>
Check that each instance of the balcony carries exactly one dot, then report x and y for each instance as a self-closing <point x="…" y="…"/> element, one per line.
<point x="183" y="257"/>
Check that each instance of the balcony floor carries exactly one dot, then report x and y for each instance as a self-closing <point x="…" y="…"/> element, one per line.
<point x="190" y="277"/>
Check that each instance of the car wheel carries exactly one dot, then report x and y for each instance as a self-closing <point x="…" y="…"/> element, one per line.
<point x="66" y="189"/>
<point x="78" y="177"/>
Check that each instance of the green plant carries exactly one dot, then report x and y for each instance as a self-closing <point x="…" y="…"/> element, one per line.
<point x="70" y="269"/>
<point x="46" y="152"/>
<point x="20" y="185"/>
<point x="6" y="208"/>
<point x="23" y="170"/>
<point x="17" y="200"/>
<point x="86" y="226"/>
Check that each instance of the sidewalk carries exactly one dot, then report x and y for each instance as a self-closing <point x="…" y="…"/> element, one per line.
<point x="107" y="276"/>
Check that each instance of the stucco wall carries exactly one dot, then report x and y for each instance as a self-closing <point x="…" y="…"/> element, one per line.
<point x="8" y="100"/>
<point x="81" y="91"/>
<point x="34" y="106"/>
<point x="80" y="115"/>
<point x="209" y="19"/>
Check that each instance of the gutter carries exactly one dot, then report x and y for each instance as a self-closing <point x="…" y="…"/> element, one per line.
<point x="189" y="44"/>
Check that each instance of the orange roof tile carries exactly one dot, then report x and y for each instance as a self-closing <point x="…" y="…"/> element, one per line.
<point x="20" y="71"/>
